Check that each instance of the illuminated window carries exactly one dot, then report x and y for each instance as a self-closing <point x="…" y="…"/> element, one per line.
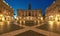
<point x="0" y="18"/>
<point x="51" y="18"/>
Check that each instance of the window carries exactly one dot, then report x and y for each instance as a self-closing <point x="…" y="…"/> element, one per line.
<point x="29" y="14"/>
<point x="58" y="10"/>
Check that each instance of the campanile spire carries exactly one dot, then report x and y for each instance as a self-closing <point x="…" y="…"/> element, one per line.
<point x="29" y="6"/>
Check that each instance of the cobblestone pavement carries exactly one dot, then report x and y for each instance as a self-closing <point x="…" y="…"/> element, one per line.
<point x="27" y="28"/>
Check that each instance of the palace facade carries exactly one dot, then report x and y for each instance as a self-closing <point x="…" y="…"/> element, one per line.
<point x="53" y="12"/>
<point x="29" y="15"/>
<point x="6" y="12"/>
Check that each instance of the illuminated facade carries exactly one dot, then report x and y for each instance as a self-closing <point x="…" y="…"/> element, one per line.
<point x="29" y="15"/>
<point x="6" y="12"/>
<point x="53" y="12"/>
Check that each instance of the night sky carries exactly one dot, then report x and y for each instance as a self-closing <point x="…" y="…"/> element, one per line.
<point x="23" y="4"/>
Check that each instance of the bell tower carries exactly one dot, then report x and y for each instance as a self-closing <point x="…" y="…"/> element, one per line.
<point x="29" y="6"/>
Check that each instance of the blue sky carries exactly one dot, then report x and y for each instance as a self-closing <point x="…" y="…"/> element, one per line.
<point x="23" y="4"/>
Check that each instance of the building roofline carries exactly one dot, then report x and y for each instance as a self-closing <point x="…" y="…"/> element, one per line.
<point x="27" y="9"/>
